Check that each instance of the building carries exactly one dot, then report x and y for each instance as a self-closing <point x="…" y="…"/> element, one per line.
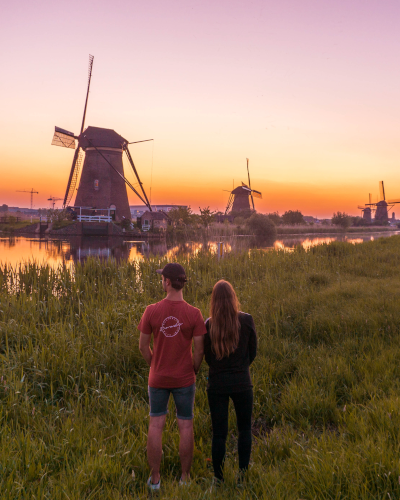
<point x="138" y="210"/>
<point x="154" y="220"/>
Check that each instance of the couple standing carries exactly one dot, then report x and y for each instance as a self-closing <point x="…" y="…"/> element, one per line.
<point x="228" y="341"/>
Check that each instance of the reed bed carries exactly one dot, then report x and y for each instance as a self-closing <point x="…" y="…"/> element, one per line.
<point x="73" y="386"/>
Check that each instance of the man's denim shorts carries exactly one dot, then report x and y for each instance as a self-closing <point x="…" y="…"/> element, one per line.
<point x="183" y="397"/>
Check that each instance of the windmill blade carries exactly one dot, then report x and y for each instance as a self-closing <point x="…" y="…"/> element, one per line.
<point x="63" y="138"/>
<point x="126" y="149"/>
<point x="361" y="207"/>
<point x="87" y="93"/>
<point x="230" y="203"/>
<point x="73" y="176"/>
<point x="381" y="191"/>
<point x="248" y="175"/>
<point x="370" y="197"/>
<point x="396" y="200"/>
<point x="256" y="194"/>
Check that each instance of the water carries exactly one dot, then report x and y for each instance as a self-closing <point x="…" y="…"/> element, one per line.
<point x="78" y="248"/>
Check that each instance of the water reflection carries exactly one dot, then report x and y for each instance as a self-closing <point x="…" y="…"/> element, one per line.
<point x="79" y="248"/>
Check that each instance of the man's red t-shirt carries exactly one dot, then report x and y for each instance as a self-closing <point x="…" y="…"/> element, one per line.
<point x="173" y="324"/>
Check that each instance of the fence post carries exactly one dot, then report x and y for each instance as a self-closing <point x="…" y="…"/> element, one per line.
<point x="221" y="250"/>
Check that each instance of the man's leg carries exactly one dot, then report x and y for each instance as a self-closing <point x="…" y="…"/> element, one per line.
<point x="158" y="399"/>
<point x="154" y="446"/>
<point x="184" y="402"/>
<point x="186" y="446"/>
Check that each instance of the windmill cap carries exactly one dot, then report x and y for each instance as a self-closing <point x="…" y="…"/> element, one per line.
<point x="174" y="272"/>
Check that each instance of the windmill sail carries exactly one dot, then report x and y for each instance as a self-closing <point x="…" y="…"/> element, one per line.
<point x="257" y="194"/>
<point x="73" y="176"/>
<point x="63" y="138"/>
<point x="381" y="191"/>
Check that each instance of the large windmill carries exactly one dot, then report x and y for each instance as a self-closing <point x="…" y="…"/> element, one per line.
<point x="381" y="207"/>
<point x="239" y="197"/>
<point x="103" y="183"/>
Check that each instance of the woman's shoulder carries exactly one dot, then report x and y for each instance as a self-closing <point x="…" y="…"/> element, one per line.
<point x="245" y="317"/>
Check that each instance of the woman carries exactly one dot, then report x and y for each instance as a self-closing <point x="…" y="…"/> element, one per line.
<point x="230" y="346"/>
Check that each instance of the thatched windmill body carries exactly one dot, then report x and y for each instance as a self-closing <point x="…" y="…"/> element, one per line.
<point x="102" y="182"/>
<point x="239" y="198"/>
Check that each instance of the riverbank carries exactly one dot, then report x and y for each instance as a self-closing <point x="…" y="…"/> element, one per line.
<point x="326" y="379"/>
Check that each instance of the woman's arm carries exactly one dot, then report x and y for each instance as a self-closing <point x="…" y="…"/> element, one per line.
<point x="252" y="340"/>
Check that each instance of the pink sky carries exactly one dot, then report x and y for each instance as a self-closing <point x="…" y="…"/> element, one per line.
<point x="308" y="90"/>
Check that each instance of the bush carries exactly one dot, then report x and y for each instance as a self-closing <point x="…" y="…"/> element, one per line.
<point x="292" y="217"/>
<point x="359" y="222"/>
<point x="341" y="219"/>
<point x="275" y="217"/>
<point x="261" y="225"/>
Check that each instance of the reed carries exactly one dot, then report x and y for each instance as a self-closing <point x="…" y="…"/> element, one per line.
<point x="73" y="386"/>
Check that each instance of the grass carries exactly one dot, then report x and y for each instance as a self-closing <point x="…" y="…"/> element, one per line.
<point x="11" y="227"/>
<point x="73" y="386"/>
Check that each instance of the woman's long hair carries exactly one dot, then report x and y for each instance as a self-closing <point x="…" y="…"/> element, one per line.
<point x="224" y="319"/>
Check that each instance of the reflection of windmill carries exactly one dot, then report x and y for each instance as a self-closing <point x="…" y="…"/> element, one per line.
<point x="102" y="183"/>
<point x="239" y="197"/>
<point x="381" y="207"/>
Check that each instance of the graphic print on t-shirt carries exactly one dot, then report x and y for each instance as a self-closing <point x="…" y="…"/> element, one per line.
<point x="170" y="326"/>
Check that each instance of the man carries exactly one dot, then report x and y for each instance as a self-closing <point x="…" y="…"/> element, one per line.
<point x="174" y="324"/>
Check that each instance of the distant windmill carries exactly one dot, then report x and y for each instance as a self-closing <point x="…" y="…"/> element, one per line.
<point x="381" y="207"/>
<point x="239" y="197"/>
<point x="103" y="183"/>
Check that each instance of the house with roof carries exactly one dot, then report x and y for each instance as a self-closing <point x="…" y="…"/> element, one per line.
<point x="154" y="220"/>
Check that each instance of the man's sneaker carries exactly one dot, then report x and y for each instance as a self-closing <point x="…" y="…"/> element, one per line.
<point x="153" y="487"/>
<point x="183" y="483"/>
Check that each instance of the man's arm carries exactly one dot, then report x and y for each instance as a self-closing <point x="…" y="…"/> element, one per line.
<point x="198" y="352"/>
<point x="144" y="347"/>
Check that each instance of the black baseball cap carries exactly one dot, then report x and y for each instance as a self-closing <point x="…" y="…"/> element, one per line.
<point x="174" y="272"/>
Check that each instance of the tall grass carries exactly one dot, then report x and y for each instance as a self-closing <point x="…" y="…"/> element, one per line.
<point x="73" y="386"/>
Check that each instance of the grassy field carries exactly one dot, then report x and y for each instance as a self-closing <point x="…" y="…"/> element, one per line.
<point x="73" y="387"/>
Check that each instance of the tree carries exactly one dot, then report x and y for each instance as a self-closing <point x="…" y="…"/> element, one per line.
<point x="261" y="225"/>
<point x="206" y="216"/>
<point x="4" y="208"/>
<point x="341" y="219"/>
<point x="275" y="217"/>
<point x="246" y="213"/>
<point x="292" y="217"/>
<point x="181" y="216"/>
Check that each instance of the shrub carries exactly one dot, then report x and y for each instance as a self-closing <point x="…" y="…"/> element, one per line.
<point x="292" y="217"/>
<point x="275" y="217"/>
<point x="341" y="219"/>
<point x="261" y="225"/>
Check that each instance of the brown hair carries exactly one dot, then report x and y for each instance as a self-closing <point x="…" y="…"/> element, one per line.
<point x="224" y="319"/>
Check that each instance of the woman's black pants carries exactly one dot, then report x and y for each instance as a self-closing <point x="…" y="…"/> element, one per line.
<point x="219" y="404"/>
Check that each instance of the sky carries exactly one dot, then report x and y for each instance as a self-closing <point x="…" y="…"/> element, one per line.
<point x="308" y="90"/>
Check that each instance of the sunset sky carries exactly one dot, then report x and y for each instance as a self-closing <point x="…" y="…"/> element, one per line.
<point x="308" y="90"/>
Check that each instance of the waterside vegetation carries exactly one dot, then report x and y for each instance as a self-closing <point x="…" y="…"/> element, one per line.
<point x="73" y="386"/>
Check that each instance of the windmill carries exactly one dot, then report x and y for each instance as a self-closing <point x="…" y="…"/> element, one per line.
<point x="102" y="183"/>
<point x="366" y="210"/>
<point x="239" y="197"/>
<point x="381" y="207"/>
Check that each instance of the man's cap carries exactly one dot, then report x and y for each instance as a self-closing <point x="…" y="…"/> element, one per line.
<point x="174" y="272"/>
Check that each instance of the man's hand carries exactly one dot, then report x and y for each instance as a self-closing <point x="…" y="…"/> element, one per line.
<point x="198" y="352"/>
<point x="144" y="347"/>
